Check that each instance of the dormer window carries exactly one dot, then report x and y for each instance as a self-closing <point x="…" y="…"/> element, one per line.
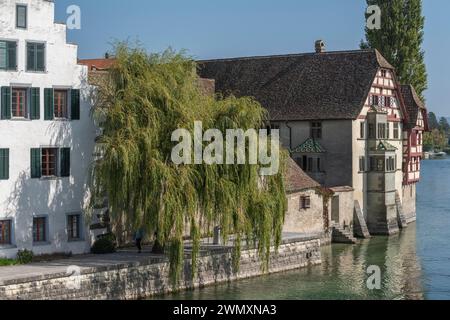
<point x="21" y="16"/>
<point x="316" y="130"/>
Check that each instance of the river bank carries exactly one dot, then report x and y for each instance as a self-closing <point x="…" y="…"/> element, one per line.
<point x="415" y="264"/>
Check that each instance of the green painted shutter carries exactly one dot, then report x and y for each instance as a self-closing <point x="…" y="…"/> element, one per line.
<point x="48" y="105"/>
<point x="35" y="112"/>
<point x="64" y="156"/>
<point x="12" y="55"/>
<point x="6" y="103"/>
<point x="4" y="164"/>
<point x="31" y="52"/>
<point x="75" y="104"/>
<point x="36" y="171"/>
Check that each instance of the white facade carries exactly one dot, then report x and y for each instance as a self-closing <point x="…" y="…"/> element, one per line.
<point x="22" y="198"/>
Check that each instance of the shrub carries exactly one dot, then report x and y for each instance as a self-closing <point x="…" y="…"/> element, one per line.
<point x="104" y="244"/>
<point x="25" y="256"/>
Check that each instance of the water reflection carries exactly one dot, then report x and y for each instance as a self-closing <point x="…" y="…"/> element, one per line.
<point x="342" y="275"/>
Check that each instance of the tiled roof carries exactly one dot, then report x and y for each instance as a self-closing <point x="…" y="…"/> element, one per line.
<point x="413" y="105"/>
<point x="296" y="179"/>
<point x="97" y="64"/>
<point x="330" y="85"/>
<point x="309" y="146"/>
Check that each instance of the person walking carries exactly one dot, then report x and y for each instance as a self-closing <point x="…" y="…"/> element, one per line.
<point x="138" y="236"/>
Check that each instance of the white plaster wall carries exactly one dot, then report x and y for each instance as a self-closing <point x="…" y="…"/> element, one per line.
<point x="307" y="221"/>
<point x="21" y="198"/>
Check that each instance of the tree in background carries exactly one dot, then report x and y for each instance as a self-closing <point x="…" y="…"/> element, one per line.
<point x="433" y="121"/>
<point x="145" y="98"/>
<point x="444" y="125"/>
<point x="400" y="40"/>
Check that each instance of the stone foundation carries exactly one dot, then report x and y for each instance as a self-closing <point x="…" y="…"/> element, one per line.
<point x="139" y="280"/>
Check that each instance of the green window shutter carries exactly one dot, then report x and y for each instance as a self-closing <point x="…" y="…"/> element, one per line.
<point x="64" y="156"/>
<point x="6" y="102"/>
<point x="36" y="171"/>
<point x="75" y="104"/>
<point x="12" y="56"/>
<point x="3" y="55"/>
<point x="35" y="112"/>
<point x="31" y="53"/>
<point x="40" y="57"/>
<point x="4" y="164"/>
<point x="48" y="105"/>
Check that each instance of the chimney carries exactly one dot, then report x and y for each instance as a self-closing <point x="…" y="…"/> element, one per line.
<point x="320" y="46"/>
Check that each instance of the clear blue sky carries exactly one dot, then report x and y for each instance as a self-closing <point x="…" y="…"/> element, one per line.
<point x="230" y="28"/>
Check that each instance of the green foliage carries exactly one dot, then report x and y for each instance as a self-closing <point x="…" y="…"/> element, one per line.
<point x="435" y="140"/>
<point x="142" y="101"/>
<point x="8" y="262"/>
<point x="400" y="40"/>
<point x="432" y="121"/>
<point x="105" y="244"/>
<point x="25" y="256"/>
<point x="444" y="125"/>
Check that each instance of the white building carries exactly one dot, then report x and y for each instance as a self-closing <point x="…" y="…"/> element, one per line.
<point x="46" y="133"/>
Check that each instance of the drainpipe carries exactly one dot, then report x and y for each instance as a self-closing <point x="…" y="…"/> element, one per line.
<point x="290" y="135"/>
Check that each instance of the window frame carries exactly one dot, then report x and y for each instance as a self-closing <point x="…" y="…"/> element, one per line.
<point x="2" y="232"/>
<point x="316" y="129"/>
<point x="56" y="164"/>
<point x="26" y="104"/>
<point x="21" y="6"/>
<point x="36" y="236"/>
<point x="69" y="227"/>
<point x="305" y="202"/>
<point x="44" y="56"/>
<point x="7" y="55"/>
<point x="65" y="116"/>
<point x="396" y="130"/>
<point x="362" y="130"/>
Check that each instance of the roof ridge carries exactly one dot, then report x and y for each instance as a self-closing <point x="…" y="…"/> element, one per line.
<point x="290" y="55"/>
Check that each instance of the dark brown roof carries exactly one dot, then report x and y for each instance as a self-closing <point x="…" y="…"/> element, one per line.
<point x="413" y="105"/>
<point x="296" y="179"/>
<point x="330" y="85"/>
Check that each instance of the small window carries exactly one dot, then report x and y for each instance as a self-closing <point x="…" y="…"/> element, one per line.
<point x="388" y="130"/>
<point x="310" y="165"/>
<point x="5" y="232"/>
<point x="4" y="164"/>
<point x="377" y="164"/>
<point x="305" y="203"/>
<point x="374" y="100"/>
<point x="390" y="164"/>
<point x="8" y="55"/>
<point x="362" y="130"/>
<point x="73" y="226"/>
<point x="319" y="165"/>
<point x="39" y="230"/>
<point x="383" y="73"/>
<point x="19" y="102"/>
<point x="381" y="131"/>
<point x="414" y="139"/>
<point x="316" y="130"/>
<point x="396" y="130"/>
<point x="35" y="57"/>
<point x="60" y="103"/>
<point x="21" y="16"/>
<point x="49" y="162"/>
<point x="362" y="164"/>
<point x="371" y="131"/>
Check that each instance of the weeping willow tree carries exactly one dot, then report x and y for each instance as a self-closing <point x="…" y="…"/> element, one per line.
<point x="142" y="100"/>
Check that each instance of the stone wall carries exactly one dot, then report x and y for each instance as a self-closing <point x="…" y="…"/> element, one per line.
<point x="409" y="202"/>
<point x="141" y="280"/>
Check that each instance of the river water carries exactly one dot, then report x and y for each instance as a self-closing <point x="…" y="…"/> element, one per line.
<point x="414" y="264"/>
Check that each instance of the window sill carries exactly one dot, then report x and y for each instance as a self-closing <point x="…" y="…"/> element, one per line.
<point x="37" y="72"/>
<point x="9" y="70"/>
<point x="20" y="119"/>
